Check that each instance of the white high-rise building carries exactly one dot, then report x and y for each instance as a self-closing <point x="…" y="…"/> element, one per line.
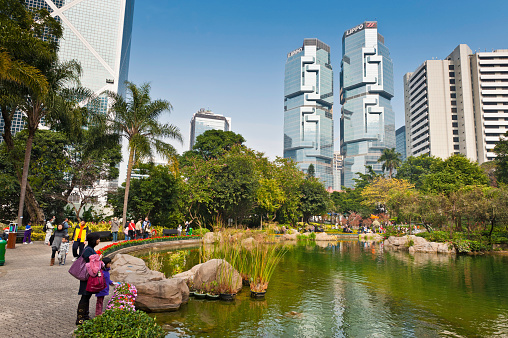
<point x="458" y="105"/>
<point x="338" y="166"/>
<point x="490" y="100"/>
<point x="204" y="120"/>
<point x="438" y="107"/>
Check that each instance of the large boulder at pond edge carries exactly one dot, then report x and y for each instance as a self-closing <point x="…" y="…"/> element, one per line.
<point x="162" y="295"/>
<point x="210" y="238"/>
<point x="155" y="292"/>
<point x="291" y="237"/>
<point x="321" y="236"/>
<point x="249" y="243"/>
<point x="130" y="269"/>
<point x="211" y="271"/>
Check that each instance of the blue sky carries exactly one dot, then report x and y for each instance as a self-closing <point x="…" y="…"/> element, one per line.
<point x="229" y="56"/>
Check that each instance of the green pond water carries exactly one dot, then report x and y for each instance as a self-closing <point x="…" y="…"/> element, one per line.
<point x="355" y="289"/>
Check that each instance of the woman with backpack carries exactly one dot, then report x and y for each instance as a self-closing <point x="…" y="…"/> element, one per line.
<point x="84" y="303"/>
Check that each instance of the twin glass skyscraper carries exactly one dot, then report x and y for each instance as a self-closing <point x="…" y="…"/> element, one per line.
<point x="308" y="109"/>
<point x="367" y="124"/>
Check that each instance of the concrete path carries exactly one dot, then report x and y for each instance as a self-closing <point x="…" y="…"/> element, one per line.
<point x="38" y="300"/>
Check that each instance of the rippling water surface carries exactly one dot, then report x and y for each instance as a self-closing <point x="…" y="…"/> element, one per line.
<point x="356" y="289"/>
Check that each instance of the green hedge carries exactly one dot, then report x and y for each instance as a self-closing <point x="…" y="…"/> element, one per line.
<point x="120" y="323"/>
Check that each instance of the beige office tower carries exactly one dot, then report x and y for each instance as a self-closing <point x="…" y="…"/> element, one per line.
<point x="490" y="93"/>
<point x="439" y="107"/>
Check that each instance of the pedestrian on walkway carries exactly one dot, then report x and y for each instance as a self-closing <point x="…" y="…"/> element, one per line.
<point x="49" y="230"/>
<point x="57" y="241"/>
<point x="79" y="237"/>
<point x="28" y="234"/>
<point x="84" y="303"/>
<point x="139" y="229"/>
<point x="64" y="249"/>
<point x="146" y="227"/>
<point x="115" y="225"/>
<point x="132" y="229"/>
<point x="100" y="296"/>
<point x="66" y="225"/>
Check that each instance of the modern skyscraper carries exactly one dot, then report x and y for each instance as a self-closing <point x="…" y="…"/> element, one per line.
<point x="438" y="107"/>
<point x="366" y="83"/>
<point x="308" y="109"/>
<point x="400" y="142"/>
<point x="489" y="72"/>
<point x="204" y="120"/>
<point x="338" y="162"/>
<point x="457" y="105"/>
<point x="97" y="34"/>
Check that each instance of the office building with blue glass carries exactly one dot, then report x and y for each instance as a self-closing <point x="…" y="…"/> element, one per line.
<point x="308" y="109"/>
<point x="204" y="120"/>
<point x="400" y="142"/>
<point x="367" y="124"/>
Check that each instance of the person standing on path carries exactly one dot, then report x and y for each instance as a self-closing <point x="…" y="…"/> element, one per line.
<point x="84" y="303"/>
<point x="64" y="249"/>
<point x="100" y="296"/>
<point x="28" y="234"/>
<point x="79" y="238"/>
<point x="66" y="225"/>
<point x="146" y="227"/>
<point x="49" y="230"/>
<point x="139" y="229"/>
<point x="57" y="241"/>
<point x="132" y="229"/>
<point x="115" y="225"/>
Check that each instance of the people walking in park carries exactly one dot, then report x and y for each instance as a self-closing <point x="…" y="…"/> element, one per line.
<point x="66" y="225"/>
<point x="132" y="229"/>
<point x="64" y="249"/>
<point x="115" y="225"/>
<point x="139" y="229"/>
<point x="146" y="227"/>
<point x="79" y="237"/>
<point x="28" y="234"/>
<point x="179" y="230"/>
<point x="84" y="303"/>
<point x="187" y="226"/>
<point x="49" y="230"/>
<point x="57" y="241"/>
<point x="100" y="296"/>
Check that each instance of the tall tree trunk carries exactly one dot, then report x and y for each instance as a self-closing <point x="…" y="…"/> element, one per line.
<point x="127" y="186"/>
<point x="24" y="176"/>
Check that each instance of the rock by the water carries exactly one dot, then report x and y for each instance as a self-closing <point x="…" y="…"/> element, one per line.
<point x="130" y="269"/>
<point x="417" y="244"/>
<point x="211" y="271"/>
<point x="248" y="243"/>
<point x="322" y="236"/>
<point x="210" y="238"/>
<point x="155" y="292"/>
<point x="290" y="237"/>
<point x="163" y="295"/>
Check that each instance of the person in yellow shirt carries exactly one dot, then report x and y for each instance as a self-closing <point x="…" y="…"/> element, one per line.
<point x="79" y="238"/>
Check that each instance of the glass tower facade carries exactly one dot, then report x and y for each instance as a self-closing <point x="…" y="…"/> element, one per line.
<point x="205" y="120"/>
<point x="366" y="87"/>
<point x="308" y="109"/>
<point x="400" y="139"/>
<point x="98" y="35"/>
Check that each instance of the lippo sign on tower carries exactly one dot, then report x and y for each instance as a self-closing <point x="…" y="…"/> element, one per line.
<point x="360" y="27"/>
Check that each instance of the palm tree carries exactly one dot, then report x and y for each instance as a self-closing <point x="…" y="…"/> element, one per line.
<point x="391" y="160"/>
<point x="136" y="119"/>
<point x="21" y="73"/>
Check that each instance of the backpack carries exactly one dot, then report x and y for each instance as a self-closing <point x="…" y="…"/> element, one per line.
<point x="45" y="227"/>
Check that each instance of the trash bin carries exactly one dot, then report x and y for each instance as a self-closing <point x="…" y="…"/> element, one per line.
<point x="2" y="251"/>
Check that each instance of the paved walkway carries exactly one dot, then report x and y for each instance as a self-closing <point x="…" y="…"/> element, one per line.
<point x="38" y="300"/>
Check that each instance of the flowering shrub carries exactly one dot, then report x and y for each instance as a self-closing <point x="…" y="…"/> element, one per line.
<point x="133" y="242"/>
<point x="123" y="298"/>
<point x="120" y="323"/>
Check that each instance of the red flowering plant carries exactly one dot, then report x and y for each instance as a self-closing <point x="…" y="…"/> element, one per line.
<point x="133" y="242"/>
<point x="123" y="298"/>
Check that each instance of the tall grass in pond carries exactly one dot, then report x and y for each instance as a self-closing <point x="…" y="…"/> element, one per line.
<point x="264" y="260"/>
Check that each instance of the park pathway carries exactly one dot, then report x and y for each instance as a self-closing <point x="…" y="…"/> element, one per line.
<point x="38" y="300"/>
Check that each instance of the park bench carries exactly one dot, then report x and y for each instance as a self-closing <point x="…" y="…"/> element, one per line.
<point x="169" y="232"/>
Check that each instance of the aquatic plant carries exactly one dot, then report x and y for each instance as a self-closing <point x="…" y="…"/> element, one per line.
<point x="264" y="260"/>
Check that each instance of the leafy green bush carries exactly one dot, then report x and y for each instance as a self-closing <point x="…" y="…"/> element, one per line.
<point x="200" y="231"/>
<point x="120" y="323"/>
<point x="467" y="245"/>
<point x="435" y="236"/>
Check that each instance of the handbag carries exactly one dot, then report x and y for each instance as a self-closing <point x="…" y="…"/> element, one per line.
<point x="126" y="231"/>
<point x="96" y="284"/>
<point x="78" y="269"/>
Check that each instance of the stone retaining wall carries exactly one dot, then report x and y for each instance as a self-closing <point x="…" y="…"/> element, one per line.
<point x="158" y="246"/>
